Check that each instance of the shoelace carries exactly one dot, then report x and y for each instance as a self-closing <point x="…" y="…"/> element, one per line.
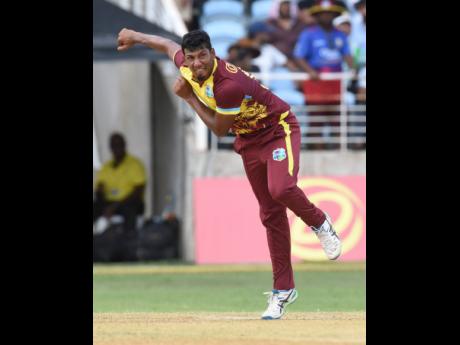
<point x="274" y="303"/>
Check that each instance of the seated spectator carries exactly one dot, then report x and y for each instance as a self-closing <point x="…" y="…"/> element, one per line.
<point x="358" y="51"/>
<point x="286" y="29"/>
<point x="304" y="13"/>
<point x="322" y="48"/>
<point x="120" y="186"/>
<point x="343" y="24"/>
<point x="270" y="57"/>
<point x="358" y="34"/>
<point x="242" y="53"/>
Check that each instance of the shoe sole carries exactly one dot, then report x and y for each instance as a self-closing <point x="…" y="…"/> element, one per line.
<point x="335" y="258"/>
<point x="284" y="309"/>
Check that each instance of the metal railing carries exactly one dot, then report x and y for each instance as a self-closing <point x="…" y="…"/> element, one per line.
<point x="341" y="127"/>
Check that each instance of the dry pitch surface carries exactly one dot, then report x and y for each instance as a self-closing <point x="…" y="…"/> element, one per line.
<point x="204" y="328"/>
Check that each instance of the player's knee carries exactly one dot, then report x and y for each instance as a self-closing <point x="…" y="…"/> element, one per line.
<point x="280" y="193"/>
<point x="270" y="214"/>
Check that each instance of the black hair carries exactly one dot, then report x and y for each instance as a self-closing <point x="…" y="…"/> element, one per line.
<point x="361" y="3"/>
<point x="196" y="39"/>
<point x="302" y="4"/>
<point x="117" y="136"/>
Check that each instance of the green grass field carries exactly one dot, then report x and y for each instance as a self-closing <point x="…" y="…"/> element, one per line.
<point x="322" y="286"/>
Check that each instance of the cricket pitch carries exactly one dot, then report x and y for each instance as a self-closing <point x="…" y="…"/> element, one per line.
<point x="205" y="328"/>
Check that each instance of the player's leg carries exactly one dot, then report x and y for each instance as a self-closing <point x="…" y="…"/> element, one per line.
<point x="274" y="218"/>
<point x="282" y="155"/>
<point x="282" y="167"/>
<point x="130" y="211"/>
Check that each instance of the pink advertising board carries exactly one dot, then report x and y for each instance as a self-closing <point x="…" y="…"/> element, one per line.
<point x="228" y="228"/>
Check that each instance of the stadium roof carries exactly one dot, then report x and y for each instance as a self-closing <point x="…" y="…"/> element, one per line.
<point x="108" y="20"/>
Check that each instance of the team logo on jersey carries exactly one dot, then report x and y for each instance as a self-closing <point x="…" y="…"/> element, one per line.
<point x="279" y="154"/>
<point x="208" y="92"/>
<point x="231" y="68"/>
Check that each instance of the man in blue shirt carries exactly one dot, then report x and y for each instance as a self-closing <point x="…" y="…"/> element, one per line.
<point x="323" y="48"/>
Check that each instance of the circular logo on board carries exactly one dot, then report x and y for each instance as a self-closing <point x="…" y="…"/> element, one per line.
<point x="347" y="217"/>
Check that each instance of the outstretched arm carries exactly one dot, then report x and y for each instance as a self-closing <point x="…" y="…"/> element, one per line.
<point x="128" y="38"/>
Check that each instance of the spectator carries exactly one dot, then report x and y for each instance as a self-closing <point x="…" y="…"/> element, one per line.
<point x="120" y="186"/>
<point x="358" y="35"/>
<point x="343" y="23"/>
<point x="242" y="53"/>
<point x="323" y="48"/>
<point x="358" y="51"/>
<point x="275" y="8"/>
<point x="286" y="29"/>
<point x="270" y="57"/>
<point x="304" y="13"/>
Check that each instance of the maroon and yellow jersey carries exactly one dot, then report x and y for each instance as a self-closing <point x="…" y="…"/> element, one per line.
<point x="231" y="91"/>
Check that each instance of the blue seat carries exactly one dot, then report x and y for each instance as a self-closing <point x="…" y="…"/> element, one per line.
<point x="282" y="84"/>
<point x="292" y="97"/>
<point x="229" y="7"/>
<point x="225" y="29"/>
<point x="221" y="46"/>
<point x="260" y="9"/>
<point x="204" y="20"/>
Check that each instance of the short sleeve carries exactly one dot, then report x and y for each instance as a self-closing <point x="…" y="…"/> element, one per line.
<point x="229" y="98"/>
<point x="179" y="58"/>
<point x="138" y="173"/>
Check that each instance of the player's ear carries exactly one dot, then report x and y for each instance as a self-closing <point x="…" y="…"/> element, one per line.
<point x="213" y="53"/>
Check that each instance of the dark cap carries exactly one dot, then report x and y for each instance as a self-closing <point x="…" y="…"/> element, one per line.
<point x="335" y="6"/>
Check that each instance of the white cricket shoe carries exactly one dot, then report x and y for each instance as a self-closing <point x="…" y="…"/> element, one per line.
<point x="277" y="302"/>
<point x="329" y="240"/>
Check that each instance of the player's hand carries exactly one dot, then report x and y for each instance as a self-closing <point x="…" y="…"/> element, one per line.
<point x="126" y="39"/>
<point x="182" y="88"/>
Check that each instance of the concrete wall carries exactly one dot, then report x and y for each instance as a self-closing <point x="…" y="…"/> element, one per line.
<point x="228" y="163"/>
<point x="168" y="145"/>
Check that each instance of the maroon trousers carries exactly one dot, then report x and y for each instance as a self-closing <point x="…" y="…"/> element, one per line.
<point x="271" y="161"/>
